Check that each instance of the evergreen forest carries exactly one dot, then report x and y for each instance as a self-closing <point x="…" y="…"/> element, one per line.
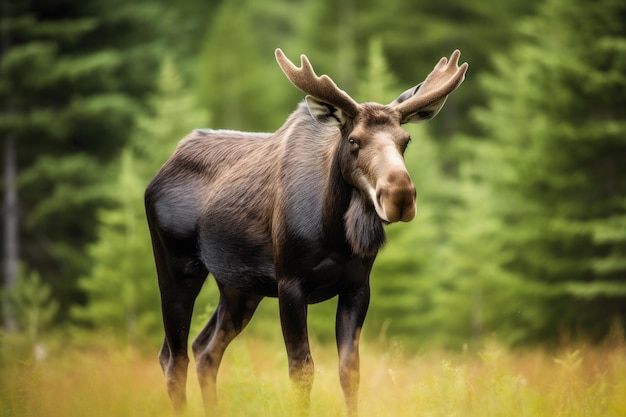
<point x="520" y="234"/>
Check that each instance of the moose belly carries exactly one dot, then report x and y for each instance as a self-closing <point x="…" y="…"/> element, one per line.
<point x="248" y="266"/>
<point x="240" y="261"/>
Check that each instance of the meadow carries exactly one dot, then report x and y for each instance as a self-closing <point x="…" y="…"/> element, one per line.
<point x="87" y="379"/>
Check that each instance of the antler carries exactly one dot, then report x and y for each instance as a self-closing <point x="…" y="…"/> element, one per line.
<point x="322" y="88"/>
<point x="443" y="80"/>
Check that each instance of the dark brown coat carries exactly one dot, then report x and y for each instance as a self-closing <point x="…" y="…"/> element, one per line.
<point x="297" y="214"/>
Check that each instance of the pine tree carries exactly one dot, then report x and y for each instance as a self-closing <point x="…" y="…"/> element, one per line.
<point x="378" y="84"/>
<point x="120" y="293"/>
<point x="33" y="305"/>
<point x="238" y="78"/>
<point x="122" y="288"/>
<point x="72" y="76"/>
<point x="556" y="120"/>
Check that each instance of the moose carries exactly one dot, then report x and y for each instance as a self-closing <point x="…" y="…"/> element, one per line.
<point x="297" y="214"/>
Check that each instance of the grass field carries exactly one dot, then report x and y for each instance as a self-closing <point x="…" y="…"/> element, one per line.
<point x="92" y="381"/>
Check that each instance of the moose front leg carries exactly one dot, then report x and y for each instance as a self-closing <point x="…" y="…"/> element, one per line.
<point x="293" y="317"/>
<point x="351" y="311"/>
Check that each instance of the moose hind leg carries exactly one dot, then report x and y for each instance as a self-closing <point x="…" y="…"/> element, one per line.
<point x="233" y="313"/>
<point x="178" y="294"/>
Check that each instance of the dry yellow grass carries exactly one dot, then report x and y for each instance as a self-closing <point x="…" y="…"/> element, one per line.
<point x="253" y="382"/>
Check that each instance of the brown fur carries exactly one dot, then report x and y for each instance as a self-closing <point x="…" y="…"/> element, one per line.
<point x="297" y="214"/>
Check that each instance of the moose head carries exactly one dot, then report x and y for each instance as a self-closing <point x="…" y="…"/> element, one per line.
<point x="373" y="140"/>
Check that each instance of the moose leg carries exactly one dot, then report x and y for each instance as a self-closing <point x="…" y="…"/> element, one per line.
<point x="180" y="280"/>
<point x="293" y="316"/>
<point x="351" y="311"/>
<point x="177" y="306"/>
<point x="233" y="312"/>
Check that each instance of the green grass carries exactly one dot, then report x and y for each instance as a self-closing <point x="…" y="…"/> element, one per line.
<point x="91" y="380"/>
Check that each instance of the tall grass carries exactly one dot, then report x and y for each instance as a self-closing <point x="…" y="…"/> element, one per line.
<point x="87" y="380"/>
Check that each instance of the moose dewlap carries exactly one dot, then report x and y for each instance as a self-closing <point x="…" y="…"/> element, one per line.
<point x="297" y="214"/>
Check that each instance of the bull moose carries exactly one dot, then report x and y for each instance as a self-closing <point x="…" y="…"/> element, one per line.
<point x="297" y="214"/>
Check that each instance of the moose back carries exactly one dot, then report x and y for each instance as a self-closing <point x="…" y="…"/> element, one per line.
<point x="297" y="214"/>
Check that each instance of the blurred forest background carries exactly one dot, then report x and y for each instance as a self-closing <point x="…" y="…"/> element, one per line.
<point x="521" y="179"/>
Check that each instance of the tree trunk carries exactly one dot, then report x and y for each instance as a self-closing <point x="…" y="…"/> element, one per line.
<point x="10" y="209"/>
<point x="11" y="242"/>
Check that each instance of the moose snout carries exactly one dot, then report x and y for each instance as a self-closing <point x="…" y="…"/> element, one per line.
<point x="396" y="197"/>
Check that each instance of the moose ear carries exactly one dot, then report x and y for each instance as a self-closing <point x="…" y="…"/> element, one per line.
<point x="423" y="114"/>
<point x="325" y="113"/>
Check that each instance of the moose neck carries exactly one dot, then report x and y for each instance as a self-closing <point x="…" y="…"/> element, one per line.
<point x="316" y="195"/>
